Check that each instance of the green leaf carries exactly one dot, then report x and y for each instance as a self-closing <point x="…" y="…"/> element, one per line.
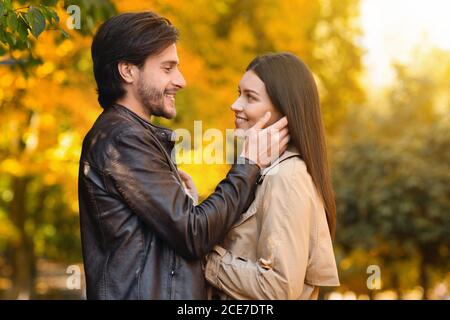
<point x="3" y="21"/>
<point x="7" y="4"/>
<point x="21" y="44"/>
<point x="49" y="14"/>
<point x="65" y="34"/>
<point x="2" y="36"/>
<point x="28" y="18"/>
<point x="2" y="9"/>
<point x="12" y="20"/>
<point x="55" y="16"/>
<point x="22" y="28"/>
<point x="50" y="2"/>
<point x="10" y="39"/>
<point x="37" y="21"/>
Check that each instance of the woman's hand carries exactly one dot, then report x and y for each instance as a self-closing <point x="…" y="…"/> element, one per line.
<point x="189" y="186"/>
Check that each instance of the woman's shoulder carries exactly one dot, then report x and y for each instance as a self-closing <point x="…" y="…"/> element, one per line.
<point x="290" y="167"/>
<point x="289" y="177"/>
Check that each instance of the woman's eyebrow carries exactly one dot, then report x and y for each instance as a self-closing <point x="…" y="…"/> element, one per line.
<point x="251" y="91"/>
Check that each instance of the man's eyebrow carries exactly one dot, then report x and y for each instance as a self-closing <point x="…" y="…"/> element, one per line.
<point x="170" y="62"/>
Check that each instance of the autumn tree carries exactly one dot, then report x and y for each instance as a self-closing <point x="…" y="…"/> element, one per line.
<point x="391" y="179"/>
<point x="45" y="109"/>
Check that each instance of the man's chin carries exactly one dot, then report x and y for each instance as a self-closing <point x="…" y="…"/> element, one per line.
<point x="169" y="113"/>
<point x="169" y="116"/>
<point x="165" y="112"/>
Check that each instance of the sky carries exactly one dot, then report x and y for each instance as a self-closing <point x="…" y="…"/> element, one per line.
<point x="394" y="28"/>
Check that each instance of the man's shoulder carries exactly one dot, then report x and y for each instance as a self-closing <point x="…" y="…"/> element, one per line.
<point x="110" y="125"/>
<point x="109" y="129"/>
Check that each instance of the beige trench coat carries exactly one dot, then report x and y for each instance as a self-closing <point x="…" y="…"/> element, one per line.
<point x="281" y="247"/>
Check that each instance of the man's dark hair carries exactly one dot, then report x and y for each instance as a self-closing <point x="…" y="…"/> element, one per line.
<point x="130" y="37"/>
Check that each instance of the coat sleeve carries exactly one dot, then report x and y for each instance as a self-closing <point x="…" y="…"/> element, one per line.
<point x="282" y="248"/>
<point x="142" y="177"/>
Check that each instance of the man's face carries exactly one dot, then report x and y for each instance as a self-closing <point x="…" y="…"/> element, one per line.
<point x="158" y="82"/>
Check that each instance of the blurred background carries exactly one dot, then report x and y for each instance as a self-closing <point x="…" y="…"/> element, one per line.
<point x="383" y="70"/>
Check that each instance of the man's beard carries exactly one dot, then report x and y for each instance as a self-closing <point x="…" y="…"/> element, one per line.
<point x="152" y="100"/>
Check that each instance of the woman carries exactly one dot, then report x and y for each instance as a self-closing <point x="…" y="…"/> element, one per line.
<point x="281" y="247"/>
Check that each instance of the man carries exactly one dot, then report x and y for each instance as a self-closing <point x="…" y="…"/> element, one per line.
<point x="142" y="235"/>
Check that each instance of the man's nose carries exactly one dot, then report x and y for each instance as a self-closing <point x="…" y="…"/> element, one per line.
<point x="179" y="80"/>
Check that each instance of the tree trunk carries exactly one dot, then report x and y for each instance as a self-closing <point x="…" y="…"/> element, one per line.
<point x="424" y="280"/>
<point x="396" y="285"/>
<point x="23" y="260"/>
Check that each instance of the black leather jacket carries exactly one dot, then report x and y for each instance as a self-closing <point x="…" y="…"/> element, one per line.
<point x="142" y="236"/>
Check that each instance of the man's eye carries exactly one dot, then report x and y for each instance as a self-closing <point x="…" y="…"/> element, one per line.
<point x="168" y="69"/>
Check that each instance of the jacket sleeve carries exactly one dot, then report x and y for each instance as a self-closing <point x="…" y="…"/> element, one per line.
<point x="282" y="248"/>
<point x="141" y="175"/>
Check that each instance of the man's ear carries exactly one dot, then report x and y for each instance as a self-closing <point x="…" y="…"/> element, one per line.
<point x="127" y="71"/>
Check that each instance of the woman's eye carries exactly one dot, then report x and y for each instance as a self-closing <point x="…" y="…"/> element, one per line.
<point x="250" y="98"/>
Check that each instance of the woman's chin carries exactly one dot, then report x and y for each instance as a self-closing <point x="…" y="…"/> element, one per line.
<point x="241" y="124"/>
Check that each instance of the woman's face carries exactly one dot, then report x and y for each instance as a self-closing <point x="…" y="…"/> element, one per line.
<point x="253" y="102"/>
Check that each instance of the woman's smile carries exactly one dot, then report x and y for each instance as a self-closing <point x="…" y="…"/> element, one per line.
<point x="240" y="121"/>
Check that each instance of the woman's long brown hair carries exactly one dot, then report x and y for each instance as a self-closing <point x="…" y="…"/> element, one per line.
<point x="293" y="91"/>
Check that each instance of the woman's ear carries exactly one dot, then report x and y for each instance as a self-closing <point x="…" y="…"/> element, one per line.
<point x="126" y="71"/>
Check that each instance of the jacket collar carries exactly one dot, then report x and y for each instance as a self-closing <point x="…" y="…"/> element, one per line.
<point x="164" y="135"/>
<point x="290" y="152"/>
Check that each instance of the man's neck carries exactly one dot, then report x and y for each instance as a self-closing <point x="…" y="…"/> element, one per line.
<point x="134" y="106"/>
